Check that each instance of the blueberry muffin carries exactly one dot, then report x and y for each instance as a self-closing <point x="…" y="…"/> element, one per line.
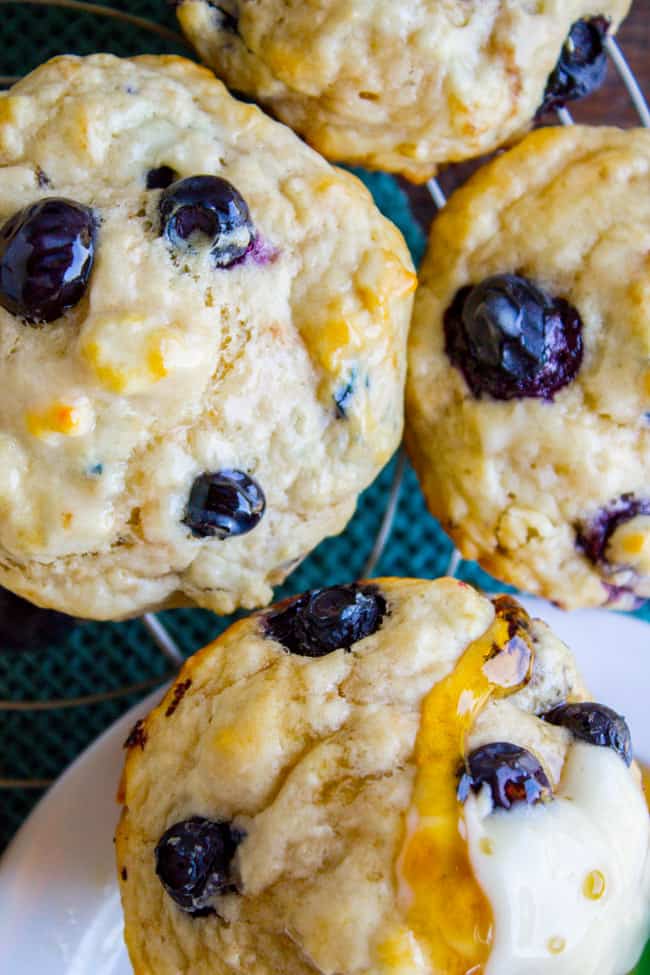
<point x="202" y="341"/>
<point x="405" y="86"/>
<point x="389" y="778"/>
<point x="529" y="389"/>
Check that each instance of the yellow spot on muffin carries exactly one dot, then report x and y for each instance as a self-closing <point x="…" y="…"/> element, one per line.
<point x="61" y="419"/>
<point x="12" y="107"/>
<point x="335" y="339"/>
<point x="15" y="113"/>
<point x="630" y="544"/>
<point x="237" y="740"/>
<point x="130" y="354"/>
<point x="381" y="278"/>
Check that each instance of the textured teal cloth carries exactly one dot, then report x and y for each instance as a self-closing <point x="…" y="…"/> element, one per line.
<point x="103" y="656"/>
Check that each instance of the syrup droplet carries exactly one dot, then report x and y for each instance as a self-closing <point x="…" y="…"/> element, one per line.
<point x="486" y="846"/>
<point x="595" y="885"/>
<point x="556" y="945"/>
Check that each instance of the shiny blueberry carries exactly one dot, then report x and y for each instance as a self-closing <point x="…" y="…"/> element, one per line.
<point x="595" y="724"/>
<point x="194" y="863"/>
<point x="593" y="536"/>
<point x="207" y="209"/>
<point x="46" y="256"/>
<point x="512" y="774"/>
<point x="325" y="620"/>
<point x="224" y="504"/>
<point x="26" y="627"/>
<point x="511" y="340"/>
<point x="161" y="177"/>
<point x="582" y="66"/>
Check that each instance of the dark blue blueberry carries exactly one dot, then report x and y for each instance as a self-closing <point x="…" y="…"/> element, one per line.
<point x="224" y="19"/>
<point x="592" y="537"/>
<point x="595" y="724"/>
<point x="224" y="504"/>
<point x="161" y="177"/>
<point x="343" y="396"/>
<point x="325" y="620"/>
<point x="26" y="627"/>
<point x="207" y="209"/>
<point x="241" y="96"/>
<point x="512" y="774"/>
<point x="510" y="340"/>
<point x="46" y="256"/>
<point x="194" y="863"/>
<point x="582" y="67"/>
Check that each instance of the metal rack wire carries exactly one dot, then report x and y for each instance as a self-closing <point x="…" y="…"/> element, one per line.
<point x="153" y="626"/>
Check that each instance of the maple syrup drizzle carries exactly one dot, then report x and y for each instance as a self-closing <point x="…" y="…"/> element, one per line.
<point x="448" y="913"/>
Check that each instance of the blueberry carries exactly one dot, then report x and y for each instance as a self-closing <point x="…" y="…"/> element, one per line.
<point x="224" y="20"/>
<point x="26" y="627"/>
<point x="343" y="397"/>
<point x="325" y="620"/>
<point x="592" y="537"/>
<point x="161" y="177"/>
<point x="194" y="862"/>
<point x="582" y="66"/>
<point x="513" y="775"/>
<point x="47" y="252"/>
<point x="224" y="504"/>
<point x="511" y="340"/>
<point x="595" y="724"/>
<point x="207" y="208"/>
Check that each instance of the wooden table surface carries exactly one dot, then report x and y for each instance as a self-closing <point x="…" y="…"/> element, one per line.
<point x="611" y="105"/>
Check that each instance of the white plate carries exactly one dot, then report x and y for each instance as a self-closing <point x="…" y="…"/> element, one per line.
<point x="59" y="903"/>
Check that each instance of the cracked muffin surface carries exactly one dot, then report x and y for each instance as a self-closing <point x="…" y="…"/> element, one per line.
<point x="528" y="398"/>
<point x="202" y="341"/>
<point x="405" y="86"/>
<point x="396" y="777"/>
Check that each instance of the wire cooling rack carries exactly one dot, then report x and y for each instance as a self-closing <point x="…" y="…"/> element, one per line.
<point x="172" y="635"/>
